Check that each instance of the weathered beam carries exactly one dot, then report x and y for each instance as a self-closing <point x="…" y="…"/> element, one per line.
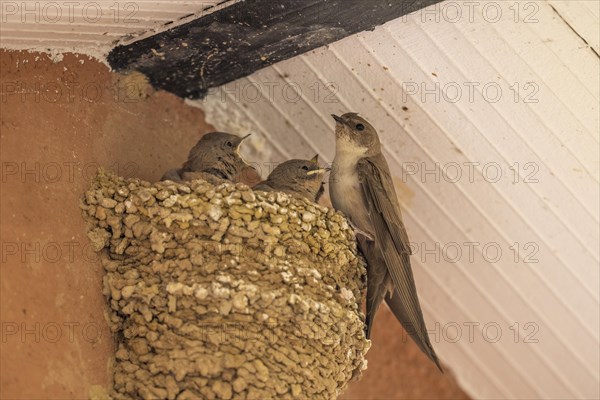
<point x="247" y="36"/>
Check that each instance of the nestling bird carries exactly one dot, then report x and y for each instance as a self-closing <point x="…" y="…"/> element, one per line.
<point x="361" y="186"/>
<point x="216" y="154"/>
<point x="299" y="178"/>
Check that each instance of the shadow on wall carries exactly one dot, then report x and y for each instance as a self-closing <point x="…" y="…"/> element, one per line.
<point x="59" y="122"/>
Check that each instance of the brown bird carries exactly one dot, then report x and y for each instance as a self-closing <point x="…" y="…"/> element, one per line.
<point x="216" y="154"/>
<point x="361" y="187"/>
<point x="299" y="178"/>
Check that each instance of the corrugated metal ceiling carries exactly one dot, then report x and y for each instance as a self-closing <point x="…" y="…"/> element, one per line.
<point x="92" y="27"/>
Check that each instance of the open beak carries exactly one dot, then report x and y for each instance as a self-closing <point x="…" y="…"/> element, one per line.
<point x="338" y="119"/>
<point x="238" y="146"/>
<point x="317" y="171"/>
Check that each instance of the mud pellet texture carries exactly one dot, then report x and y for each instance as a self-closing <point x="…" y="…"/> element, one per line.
<point x="219" y="292"/>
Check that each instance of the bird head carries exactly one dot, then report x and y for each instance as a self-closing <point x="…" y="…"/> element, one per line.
<point x="356" y="131"/>
<point x="223" y="141"/>
<point x="298" y="175"/>
<point x="217" y="151"/>
<point x="298" y="171"/>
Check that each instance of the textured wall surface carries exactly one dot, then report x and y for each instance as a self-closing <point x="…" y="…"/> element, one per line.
<point x="57" y="126"/>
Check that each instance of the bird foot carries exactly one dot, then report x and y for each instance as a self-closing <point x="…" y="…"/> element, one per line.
<point x="358" y="231"/>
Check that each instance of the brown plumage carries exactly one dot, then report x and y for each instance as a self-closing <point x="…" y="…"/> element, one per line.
<point x="215" y="154"/>
<point x="299" y="178"/>
<point x="361" y="186"/>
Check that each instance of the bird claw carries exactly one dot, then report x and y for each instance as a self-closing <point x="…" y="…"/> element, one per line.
<point x="358" y="231"/>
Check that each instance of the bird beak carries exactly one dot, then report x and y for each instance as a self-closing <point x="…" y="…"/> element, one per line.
<point x="317" y="171"/>
<point x="238" y="145"/>
<point x="338" y="119"/>
<point x="315" y="159"/>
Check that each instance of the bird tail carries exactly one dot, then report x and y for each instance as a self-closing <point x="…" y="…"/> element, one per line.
<point x="418" y="334"/>
<point x="378" y="281"/>
<point x="376" y="289"/>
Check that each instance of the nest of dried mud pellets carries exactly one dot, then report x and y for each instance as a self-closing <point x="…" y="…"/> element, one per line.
<point x="219" y="292"/>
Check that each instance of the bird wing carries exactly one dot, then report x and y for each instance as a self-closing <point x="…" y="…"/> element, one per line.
<point x="320" y="192"/>
<point x="378" y="279"/>
<point x="394" y="302"/>
<point x="264" y="186"/>
<point x="392" y="240"/>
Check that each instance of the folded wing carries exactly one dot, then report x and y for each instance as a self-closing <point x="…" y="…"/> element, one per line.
<point x="392" y="240"/>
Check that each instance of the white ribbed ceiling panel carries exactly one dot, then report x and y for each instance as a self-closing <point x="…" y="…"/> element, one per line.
<point x="506" y="95"/>
<point x="92" y="27"/>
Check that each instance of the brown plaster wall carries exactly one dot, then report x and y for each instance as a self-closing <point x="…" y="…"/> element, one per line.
<point x="58" y="123"/>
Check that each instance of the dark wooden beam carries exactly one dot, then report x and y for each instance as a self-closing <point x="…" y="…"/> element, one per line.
<point x="236" y="41"/>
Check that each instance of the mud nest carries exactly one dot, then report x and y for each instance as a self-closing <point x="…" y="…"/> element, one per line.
<point x="219" y="292"/>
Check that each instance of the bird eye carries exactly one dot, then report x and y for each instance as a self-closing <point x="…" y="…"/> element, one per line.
<point x="304" y="167"/>
<point x="229" y="144"/>
<point x="360" y="127"/>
